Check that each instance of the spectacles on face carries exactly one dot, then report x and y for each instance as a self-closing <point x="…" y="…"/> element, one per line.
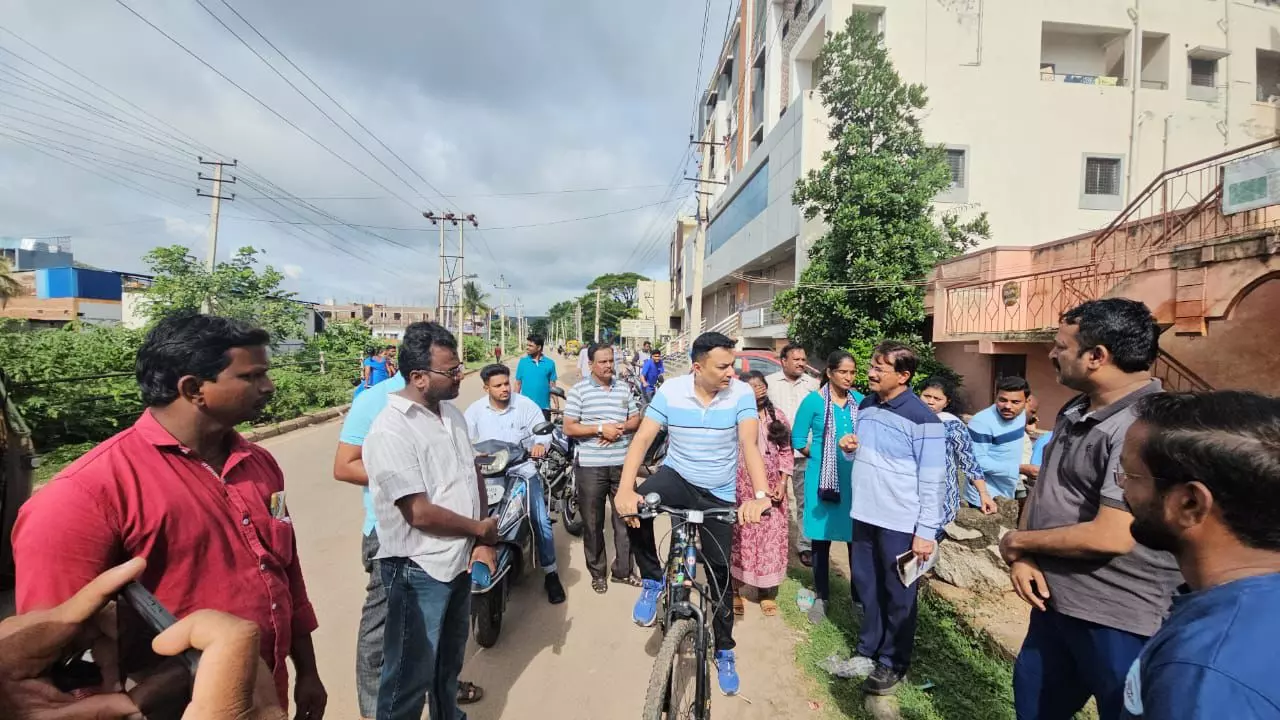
<point x="1122" y="477"/>
<point x="454" y="372"/>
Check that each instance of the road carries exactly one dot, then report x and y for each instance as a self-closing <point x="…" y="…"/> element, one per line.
<point x="583" y="659"/>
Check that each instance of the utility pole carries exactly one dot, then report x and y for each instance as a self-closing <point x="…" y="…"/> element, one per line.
<point x="502" y="288"/>
<point x="577" y="315"/>
<point x="519" y="320"/>
<point x="449" y="290"/>
<point x="598" y="293"/>
<point x="217" y="197"/>
<point x="699" y="241"/>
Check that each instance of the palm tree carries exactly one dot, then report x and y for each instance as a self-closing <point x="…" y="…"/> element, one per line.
<point x="9" y="286"/>
<point x="473" y="301"/>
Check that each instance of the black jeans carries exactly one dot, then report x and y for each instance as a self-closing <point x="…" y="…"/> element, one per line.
<point x="595" y="485"/>
<point x="717" y="544"/>
<point x="822" y="570"/>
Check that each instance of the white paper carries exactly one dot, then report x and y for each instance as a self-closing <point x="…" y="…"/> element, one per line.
<point x="910" y="569"/>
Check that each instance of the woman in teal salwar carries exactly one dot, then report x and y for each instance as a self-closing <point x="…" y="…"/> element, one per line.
<point x="824" y="428"/>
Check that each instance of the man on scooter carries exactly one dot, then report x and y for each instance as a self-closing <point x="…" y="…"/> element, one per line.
<point x="511" y="417"/>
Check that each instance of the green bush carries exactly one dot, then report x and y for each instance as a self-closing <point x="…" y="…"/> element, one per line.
<point x="475" y="349"/>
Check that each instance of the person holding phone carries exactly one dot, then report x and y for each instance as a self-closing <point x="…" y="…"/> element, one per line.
<point x="184" y="490"/>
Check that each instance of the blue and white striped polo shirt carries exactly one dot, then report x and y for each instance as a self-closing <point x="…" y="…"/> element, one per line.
<point x="592" y="404"/>
<point x="703" y="439"/>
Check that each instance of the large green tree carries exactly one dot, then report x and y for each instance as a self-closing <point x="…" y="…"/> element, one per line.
<point x="236" y="289"/>
<point x="875" y="195"/>
<point x="619" y="287"/>
<point x="474" y="301"/>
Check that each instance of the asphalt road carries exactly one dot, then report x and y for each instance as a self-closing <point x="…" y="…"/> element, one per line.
<point x="583" y="659"/>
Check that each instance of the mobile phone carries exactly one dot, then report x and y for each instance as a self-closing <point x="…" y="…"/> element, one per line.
<point x="159" y="686"/>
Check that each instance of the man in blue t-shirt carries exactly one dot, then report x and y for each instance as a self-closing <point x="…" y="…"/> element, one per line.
<point x="536" y="375"/>
<point x="998" y="434"/>
<point x="348" y="467"/>
<point x="709" y="415"/>
<point x="1201" y="474"/>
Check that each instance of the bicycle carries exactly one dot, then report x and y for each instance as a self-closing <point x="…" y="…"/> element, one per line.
<point x="684" y="621"/>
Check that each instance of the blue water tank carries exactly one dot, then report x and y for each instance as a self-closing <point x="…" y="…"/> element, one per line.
<point x="70" y="282"/>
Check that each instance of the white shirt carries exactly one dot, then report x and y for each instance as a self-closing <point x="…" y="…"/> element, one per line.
<point x="513" y="424"/>
<point x="786" y="394"/>
<point x="584" y="362"/>
<point x="411" y="450"/>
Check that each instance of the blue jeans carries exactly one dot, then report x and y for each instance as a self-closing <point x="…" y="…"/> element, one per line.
<point x="424" y="642"/>
<point x="1065" y="660"/>
<point x="544" y="540"/>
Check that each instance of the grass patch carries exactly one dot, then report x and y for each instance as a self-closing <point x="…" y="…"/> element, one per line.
<point x="969" y="681"/>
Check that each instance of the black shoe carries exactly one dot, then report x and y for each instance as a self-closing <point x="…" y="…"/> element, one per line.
<point x="555" y="591"/>
<point x="882" y="681"/>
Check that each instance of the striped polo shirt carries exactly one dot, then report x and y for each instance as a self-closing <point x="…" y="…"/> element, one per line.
<point x="899" y="476"/>
<point x="703" y="439"/>
<point x="591" y="404"/>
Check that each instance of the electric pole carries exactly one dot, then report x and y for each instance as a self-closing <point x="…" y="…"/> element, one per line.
<point x="217" y="197"/>
<point x="452" y="275"/>
<point x="598" y="314"/>
<point x="502" y="288"/>
<point x="700" y="238"/>
<point x="577" y="316"/>
<point x="519" y="320"/>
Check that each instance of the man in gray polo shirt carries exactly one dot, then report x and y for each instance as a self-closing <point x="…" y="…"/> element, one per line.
<point x="602" y="415"/>
<point x="1097" y="595"/>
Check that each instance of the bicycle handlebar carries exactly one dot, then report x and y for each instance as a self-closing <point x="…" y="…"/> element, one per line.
<point x="651" y="507"/>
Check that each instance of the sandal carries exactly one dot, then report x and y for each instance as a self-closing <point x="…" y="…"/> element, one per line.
<point x="469" y="693"/>
<point x="633" y="580"/>
<point x="600" y="585"/>
<point x="768" y="608"/>
<point x="739" y="606"/>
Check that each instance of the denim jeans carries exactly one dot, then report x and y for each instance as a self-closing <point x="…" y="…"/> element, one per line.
<point x="424" y="642"/>
<point x="544" y="540"/>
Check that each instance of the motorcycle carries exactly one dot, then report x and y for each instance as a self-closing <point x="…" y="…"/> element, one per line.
<point x="507" y="476"/>
<point x="557" y="470"/>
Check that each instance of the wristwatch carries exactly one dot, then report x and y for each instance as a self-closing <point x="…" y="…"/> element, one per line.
<point x="600" y="430"/>
<point x="760" y="494"/>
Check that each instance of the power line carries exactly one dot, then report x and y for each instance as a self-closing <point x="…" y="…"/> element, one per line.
<point x="697" y="80"/>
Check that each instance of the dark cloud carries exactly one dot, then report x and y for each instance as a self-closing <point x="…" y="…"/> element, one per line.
<point x="478" y="97"/>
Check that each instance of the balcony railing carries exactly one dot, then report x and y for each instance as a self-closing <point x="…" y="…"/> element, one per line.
<point x="1031" y="303"/>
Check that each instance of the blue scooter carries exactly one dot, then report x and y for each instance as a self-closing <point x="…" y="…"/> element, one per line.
<point x="507" y="477"/>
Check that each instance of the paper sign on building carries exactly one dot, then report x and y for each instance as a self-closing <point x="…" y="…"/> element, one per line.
<point x="640" y="329"/>
<point x="1251" y="183"/>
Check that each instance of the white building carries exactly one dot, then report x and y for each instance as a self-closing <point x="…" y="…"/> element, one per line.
<point x="1048" y="126"/>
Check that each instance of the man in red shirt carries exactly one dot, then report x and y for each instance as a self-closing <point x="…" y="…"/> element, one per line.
<point x="184" y="490"/>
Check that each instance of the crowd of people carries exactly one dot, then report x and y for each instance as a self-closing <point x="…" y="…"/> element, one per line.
<point x="1147" y="543"/>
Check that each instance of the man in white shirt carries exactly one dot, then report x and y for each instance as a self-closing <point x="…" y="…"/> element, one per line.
<point x="584" y="362"/>
<point x="787" y="388"/>
<point x="511" y="417"/>
<point x="429" y="500"/>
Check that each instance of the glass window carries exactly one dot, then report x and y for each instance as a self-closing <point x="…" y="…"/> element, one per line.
<point x="750" y="201"/>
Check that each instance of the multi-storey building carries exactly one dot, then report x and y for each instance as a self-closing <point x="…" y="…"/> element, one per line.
<point x="1050" y="126"/>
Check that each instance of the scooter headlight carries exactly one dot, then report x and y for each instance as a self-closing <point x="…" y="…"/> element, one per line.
<point x="515" y="510"/>
<point x="496" y="463"/>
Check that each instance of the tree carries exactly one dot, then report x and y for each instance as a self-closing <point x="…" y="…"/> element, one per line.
<point x="620" y="287"/>
<point x="235" y="289"/>
<point x="9" y="286"/>
<point x="541" y="326"/>
<point x="874" y="192"/>
<point x="473" y="301"/>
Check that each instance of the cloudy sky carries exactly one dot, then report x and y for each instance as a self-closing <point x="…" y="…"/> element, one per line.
<point x="499" y="106"/>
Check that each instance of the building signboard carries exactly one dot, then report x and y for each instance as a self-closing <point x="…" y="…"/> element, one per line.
<point x="639" y="329"/>
<point x="1251" y="183"/>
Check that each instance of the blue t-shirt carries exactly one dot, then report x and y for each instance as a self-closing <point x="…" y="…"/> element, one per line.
<point x="997" y="444"/>
<point x="1213" y="658"/>
<point x="377" y="370"/>
<point x="702" y="441"/>
<point x="535" y="377"/>
<point x="356" y="427"/>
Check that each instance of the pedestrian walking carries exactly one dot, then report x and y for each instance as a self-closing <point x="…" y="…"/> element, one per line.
<point x="182" y="488"/>
<point x="1096" y="595"/>
<point x="998" y="434"/>
<point x="1201" y="474"/>
<point x="602" y="414"/>
<point x="536" y="375"/>
<point x="899" y="478"/>
<point x="963" y="472"/>
<point x="759" y="557"/>
<point x="428" y="500"/>
<point x="787" y="388"/>
<point x="823" y="433"/>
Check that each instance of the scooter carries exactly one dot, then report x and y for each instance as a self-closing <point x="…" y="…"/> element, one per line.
<point x="507" y="478"/>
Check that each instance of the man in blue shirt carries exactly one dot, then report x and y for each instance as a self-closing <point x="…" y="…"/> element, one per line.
<point x="899" y="481"/>
<point x="501" y="415"/>
<point x="652" y="370"/>
<point x="1201" y="475"/>
<point x="998" y="433"/>
<point x="709" y="414"/>
<point x="348" y="467"/>
<point x="536" y="375"/>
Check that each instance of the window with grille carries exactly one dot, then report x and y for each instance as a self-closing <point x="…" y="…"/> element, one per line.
<point x="1102" y="176"/>
<point x="1203" y="72"/>
<point x="956" y="161"/>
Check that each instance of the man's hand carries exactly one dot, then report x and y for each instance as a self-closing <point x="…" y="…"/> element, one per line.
<point x="752" y="510"/>
<point x="922" y="548"/>
<point x="538" y="451"/>
<point x="233" y="681"/>
<point x="1029" y="582"/>
<point x="32" y="642"/>
<point x="486" y="554"/>
<point x="610" y="433"/>
<point x="487" y="532"/>
<point x="849" y="443"/>
<point x="310" y="696"/>
<point x="989" y="506"/>
<point x="627" y="502"/>
<point x="1007" y="550"/>
<point x="1031" y="471"/>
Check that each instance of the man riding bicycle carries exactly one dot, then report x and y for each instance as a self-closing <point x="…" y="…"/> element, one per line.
<point x="708" y="414"/>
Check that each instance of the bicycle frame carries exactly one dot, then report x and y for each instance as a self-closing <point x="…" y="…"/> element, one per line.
<point x="682" y="563"/>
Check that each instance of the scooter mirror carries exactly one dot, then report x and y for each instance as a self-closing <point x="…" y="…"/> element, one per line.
<point x="544" y="428"/>
<point x="557" y="391"/>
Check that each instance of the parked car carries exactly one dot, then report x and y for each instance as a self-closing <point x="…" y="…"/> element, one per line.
<point x="763" y="361"/>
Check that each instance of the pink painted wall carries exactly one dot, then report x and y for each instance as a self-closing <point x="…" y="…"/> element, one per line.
<point x="1240" y="351"/>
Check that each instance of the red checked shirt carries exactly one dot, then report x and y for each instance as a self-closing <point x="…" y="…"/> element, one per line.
<point x="210" y="542"/>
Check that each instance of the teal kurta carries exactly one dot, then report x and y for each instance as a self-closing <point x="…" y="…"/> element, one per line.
<point x="825" y="520"/>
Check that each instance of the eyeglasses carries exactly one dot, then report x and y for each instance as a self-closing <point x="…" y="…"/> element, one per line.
<point x="455" y="372"/>
<point x="1122" y="477"/>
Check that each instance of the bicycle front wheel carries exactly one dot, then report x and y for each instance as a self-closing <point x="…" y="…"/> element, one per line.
<point x="672" y="693"/>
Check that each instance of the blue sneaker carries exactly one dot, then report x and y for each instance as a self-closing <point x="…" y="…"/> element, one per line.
<point x="727" y="672"/>
<point x="646" y="610"/>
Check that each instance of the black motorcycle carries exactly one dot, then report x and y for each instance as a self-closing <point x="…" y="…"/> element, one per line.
<point x="557" y="470"/>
